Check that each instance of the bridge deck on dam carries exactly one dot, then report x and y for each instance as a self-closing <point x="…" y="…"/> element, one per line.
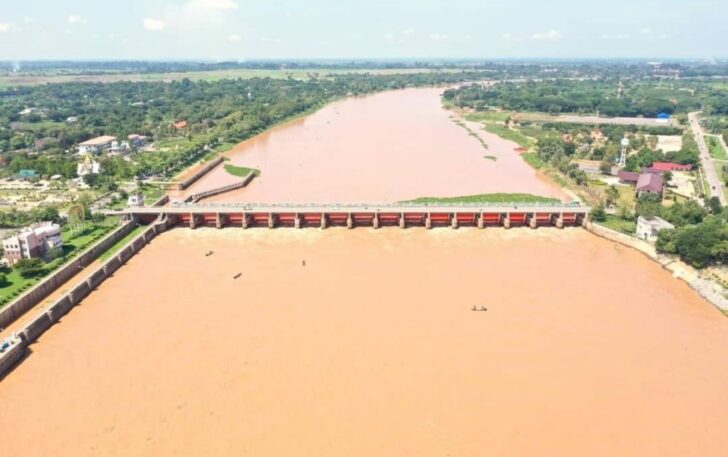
<point x="364" y="215"/>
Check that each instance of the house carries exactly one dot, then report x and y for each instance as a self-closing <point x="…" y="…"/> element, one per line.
<point x="669" y="166"/>
<point x="663" y="118"/>
<point x="28" y="175"/>
<point x="649" y="183"/>
<point x="648" y="228"/>
<point x="96" y="145"/>
<point x="71" y="120"/>
<point x="588" y="166"/>
<point x="628" y="177"/>
<point x="181" y="125"/>
<point x="137" y="141"/>
<point x="32" y="242"/>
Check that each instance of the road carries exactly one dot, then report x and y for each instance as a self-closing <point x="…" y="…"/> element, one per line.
<point x="709" y="171"/>
<point x="579" y="119"/>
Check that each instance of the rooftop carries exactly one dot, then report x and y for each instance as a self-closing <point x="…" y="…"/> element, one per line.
<point x="98" y="141"/>
<point x="649" y="182"/>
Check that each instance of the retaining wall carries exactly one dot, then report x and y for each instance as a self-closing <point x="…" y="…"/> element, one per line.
<point x="11" y="312"/>
<point x="200" y="173"/>
<point x="63" y="305"/>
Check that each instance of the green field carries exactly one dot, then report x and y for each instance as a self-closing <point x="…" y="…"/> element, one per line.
<point x="620" y="225"/>
<point x="508" y="134"/>
<point x="486" y="198"/>
<point x="119" y="245"/>
<point x="74" y="243"/>
<point x="215" y="75"/>
<point x="716" y="148"/>
<point x="241" y="171"/>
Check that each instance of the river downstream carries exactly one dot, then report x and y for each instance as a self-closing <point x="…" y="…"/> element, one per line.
<point x="364" y="342"/>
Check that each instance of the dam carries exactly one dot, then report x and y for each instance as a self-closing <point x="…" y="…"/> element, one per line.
<point x="362" y="215"/>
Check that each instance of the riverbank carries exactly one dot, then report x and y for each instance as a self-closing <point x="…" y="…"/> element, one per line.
<point x="708" y="288"/>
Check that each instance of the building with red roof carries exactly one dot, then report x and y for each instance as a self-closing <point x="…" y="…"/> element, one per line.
<point x="649" y="183"/>
<point x="669" y="166"/>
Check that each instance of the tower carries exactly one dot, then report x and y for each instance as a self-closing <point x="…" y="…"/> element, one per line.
<point x="623" y="154"/>
<point x="620" y="90"/>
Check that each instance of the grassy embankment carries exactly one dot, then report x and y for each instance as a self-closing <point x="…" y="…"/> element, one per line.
<point x="241" y="171"/>
<point x="716" y="148"/>
<point x="74" y="243"/>
<point x="486" y="198"/>
<point x="109" y="253"/>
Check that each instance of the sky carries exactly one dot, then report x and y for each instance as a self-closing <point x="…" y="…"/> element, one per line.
<point x="361" y="29"/>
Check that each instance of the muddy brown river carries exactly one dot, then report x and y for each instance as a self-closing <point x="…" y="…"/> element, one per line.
<point x="364" y="343"/>
<point x="387" y="147"/>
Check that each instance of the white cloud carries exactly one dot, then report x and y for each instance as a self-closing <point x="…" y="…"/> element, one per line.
<point x="439" y="37"/>
<point x="510" y="37"/>
<point x="622" y="36"/>
<point x="388" y="36"/>
<point x="551" y="35"/>
<point x="76" y="19"/>
<point x="4" y="28"/>
<point x="646" y="31"/>
<point x="154" y="25"/>
<point x="409" y="31"/>
<point x="234" y="38"/>
<point x="213" y="4"/>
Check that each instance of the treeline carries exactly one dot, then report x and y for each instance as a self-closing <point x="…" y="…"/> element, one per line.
<point x="641" y="98"/>
<point x="225" y="111"/>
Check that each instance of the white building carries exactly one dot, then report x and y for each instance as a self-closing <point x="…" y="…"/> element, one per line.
<point x="32" y="242"/>
<point x="96" y="145"/>
<point x="647" y="229"/>
<point x="88" y="167"/>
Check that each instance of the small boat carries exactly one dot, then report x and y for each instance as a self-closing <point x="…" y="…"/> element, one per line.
<point x="237" y="276"/>
<point x="209" y="253"/>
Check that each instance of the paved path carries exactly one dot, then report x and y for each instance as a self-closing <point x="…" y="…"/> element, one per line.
<point x="710" y="173"/>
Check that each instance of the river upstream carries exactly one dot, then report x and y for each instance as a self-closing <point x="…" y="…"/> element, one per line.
<point x="363" y="342"/>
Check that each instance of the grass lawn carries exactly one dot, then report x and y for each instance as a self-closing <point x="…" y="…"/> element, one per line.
<point x="487" y="198"/>
<point x="241" y="171"/>
<point x="489" y="116"/>
<point x="508" y="134"/>
<point x="533" y="159"/>
<point x="716" y="148"/>
<point x="74" y="243"/>
<point x="619" y="224"/>
<point x="151" y="194"/>
<point x="122" y="242"/>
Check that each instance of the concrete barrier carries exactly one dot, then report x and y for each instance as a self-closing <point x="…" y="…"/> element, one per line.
<point x="11" y="312"/>
<point x="182" y="185"/>
<point x="36" y="328"/>
<point x="11" y="356"/>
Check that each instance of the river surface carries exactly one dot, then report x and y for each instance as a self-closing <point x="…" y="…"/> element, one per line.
<point x="364" y="343"/>
<point x="387" y="147"/>
<point x="587" y="348"/>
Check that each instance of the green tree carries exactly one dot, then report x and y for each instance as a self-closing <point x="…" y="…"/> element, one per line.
<point x="649" y="205"/>
<point x="29" y="268"/>
<point x="611" y="195"/>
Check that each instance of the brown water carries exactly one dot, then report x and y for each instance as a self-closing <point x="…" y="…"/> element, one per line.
<point x="371" y="349"/>
<point x="391" y="146"/>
